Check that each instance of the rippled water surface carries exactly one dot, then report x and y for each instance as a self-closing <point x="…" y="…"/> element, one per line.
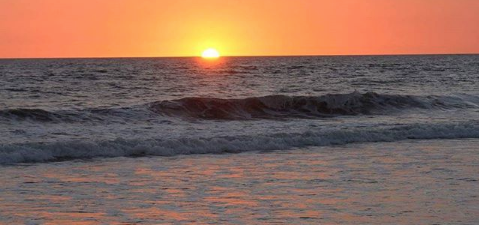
<point x="88" y="83"/>
<point x="412" y="182"/>
<point x="57" y="109"/>
<point x="330" y="140"/>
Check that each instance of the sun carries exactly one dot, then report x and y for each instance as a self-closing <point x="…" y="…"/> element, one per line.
<point x="210" y="53"/>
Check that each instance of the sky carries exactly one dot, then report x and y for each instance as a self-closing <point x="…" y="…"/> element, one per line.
<point x="151" y="28"/>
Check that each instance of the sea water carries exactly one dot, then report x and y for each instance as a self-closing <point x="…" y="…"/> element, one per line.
<point x="66" y="125"/>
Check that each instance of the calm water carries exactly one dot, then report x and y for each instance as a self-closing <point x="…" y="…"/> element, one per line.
<point x="101" y="110"/>
<point x="412" y="182"/>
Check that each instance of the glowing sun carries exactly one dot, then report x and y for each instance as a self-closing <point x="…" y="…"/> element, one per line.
<point x="210" y="53"/>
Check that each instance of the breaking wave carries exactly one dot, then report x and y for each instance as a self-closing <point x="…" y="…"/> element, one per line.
<point x="281" y="106"/>
<point x="267" y="107"/>
<point x="46" y="152"/>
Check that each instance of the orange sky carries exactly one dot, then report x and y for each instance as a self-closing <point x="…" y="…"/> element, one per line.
<point x="131" y="28"/>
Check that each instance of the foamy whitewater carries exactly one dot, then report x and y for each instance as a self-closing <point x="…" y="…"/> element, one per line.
<point x="68" y="109"/>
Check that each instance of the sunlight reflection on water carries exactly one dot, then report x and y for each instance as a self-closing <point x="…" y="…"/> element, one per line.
<point x="379" y="183"/>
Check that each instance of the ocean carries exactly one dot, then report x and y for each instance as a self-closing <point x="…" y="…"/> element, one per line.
<point x="240" y="140"/>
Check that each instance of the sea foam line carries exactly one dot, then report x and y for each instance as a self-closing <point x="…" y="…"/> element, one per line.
<point x="46" y="152"/>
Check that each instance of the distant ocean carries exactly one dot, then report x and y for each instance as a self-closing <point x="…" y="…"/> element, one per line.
<point x="66" y="114"/>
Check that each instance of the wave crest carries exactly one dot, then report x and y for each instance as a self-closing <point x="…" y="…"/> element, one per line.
<point x="281" y="106"/>
<point x="32" y="114"/>
<point x="267" y="107"/>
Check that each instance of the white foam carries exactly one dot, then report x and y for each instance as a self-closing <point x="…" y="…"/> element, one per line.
<point x="37" y="152"/>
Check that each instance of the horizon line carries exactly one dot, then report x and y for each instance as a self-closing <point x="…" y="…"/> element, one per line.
<point x="241" y="56"/>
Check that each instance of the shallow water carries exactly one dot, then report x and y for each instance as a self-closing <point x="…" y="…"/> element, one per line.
<point x="408" y="182"/>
